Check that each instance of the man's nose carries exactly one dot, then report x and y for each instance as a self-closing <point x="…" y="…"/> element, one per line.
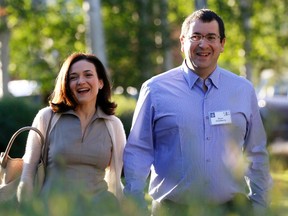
<point x="203" y="42"/>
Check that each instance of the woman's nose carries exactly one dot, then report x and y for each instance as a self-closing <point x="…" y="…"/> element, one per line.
<point x="80" y="80"/>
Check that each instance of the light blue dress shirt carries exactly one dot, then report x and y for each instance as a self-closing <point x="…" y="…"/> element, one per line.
<point x="197" y="144"/>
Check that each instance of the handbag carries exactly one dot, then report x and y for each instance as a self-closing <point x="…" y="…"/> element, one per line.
<point x="11" y="168"/>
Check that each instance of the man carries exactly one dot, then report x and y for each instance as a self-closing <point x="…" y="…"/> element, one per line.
<point x="197" y="128"/>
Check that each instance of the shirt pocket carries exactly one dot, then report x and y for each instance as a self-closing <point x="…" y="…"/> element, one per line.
<point x="168" y="158"/>
<point x="237" y="130"/>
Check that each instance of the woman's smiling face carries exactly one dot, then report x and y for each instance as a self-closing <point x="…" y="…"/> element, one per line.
<point x="84" y="82"/>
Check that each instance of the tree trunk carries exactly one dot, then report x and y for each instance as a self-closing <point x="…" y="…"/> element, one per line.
<point x="199" y="4"/>
<point x="4" y="52"/>
<point x="168" y="59"/>
<point x="246" y="13"/>
<point x="94" y="29"/>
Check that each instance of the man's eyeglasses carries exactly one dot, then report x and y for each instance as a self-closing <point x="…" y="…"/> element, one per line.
<point x="211" y="38"/>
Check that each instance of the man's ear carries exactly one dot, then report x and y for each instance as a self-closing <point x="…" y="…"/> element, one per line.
<point x="181" y="39"/>
<point x="223" y="44"/>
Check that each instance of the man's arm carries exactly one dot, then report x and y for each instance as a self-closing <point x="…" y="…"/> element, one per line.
<point x="138" y="152"/>
<point x="258" y="177"/>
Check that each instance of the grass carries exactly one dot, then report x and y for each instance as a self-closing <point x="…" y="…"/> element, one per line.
<point x="61" y="205"/>
<point x="279" y="192"/>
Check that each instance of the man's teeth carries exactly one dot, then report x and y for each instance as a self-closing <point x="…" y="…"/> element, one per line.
<point x="203" y="54"/>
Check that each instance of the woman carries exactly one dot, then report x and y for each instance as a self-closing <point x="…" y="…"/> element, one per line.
<point x="85" y="141"/>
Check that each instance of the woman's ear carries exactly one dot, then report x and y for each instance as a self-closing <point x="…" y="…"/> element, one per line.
<point x="101" y="84"/>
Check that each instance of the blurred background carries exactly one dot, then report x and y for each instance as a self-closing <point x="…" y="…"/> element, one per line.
<point x="136" y="40"/>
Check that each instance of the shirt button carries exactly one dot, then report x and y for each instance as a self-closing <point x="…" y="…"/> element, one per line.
<point x="208" y="160"/>
<point x="207" y="138"/>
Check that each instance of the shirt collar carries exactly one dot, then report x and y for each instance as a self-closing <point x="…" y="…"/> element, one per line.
<point x="98" y="114"/>
<point x="192" y="77"/>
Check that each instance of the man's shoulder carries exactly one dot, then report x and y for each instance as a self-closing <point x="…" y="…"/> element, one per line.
<point x="167" y="75"/>
<point x="232" y="77"/>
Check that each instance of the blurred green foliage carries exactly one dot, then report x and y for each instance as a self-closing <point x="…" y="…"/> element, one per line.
<point x="125" y="110"/>
<point x="41" y="37"/>
<point x="139" y="35"/>
<point x="61" y="204"/>
<point x="16" y="113"/>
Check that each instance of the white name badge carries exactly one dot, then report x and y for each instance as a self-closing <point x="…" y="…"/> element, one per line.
<point x="220" y="117"/>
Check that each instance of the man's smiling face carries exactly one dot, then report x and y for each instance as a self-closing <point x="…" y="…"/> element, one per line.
<point x="202" y="56"/>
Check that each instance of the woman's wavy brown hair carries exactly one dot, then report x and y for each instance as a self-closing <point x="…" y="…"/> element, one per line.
<point x="62" y="98"/>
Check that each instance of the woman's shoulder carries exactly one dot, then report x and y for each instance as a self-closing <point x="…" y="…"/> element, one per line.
<point x="110" y="118"/>
<point x="114" y="123"/>
<point x="115" y="120"/>
<point x="44" y="113"/>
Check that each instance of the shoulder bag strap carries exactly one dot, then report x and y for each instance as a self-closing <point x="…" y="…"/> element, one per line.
<point x="45" y="147"/>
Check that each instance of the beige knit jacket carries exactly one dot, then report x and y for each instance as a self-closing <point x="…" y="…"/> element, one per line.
<point x="32" y="154"/>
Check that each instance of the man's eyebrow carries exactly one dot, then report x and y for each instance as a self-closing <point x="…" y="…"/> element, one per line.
<point x="198" y="33"/>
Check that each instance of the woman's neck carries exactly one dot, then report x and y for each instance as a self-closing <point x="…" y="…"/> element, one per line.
<point x="85" y="115"/>
<point x="85" y="112"/>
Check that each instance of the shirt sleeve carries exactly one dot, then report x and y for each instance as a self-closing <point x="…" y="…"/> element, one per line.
<point x="138" y="152"/>
<point x="258" y="177"/>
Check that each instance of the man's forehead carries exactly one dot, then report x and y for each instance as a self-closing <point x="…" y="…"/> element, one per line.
<point x="200" y="26"/>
